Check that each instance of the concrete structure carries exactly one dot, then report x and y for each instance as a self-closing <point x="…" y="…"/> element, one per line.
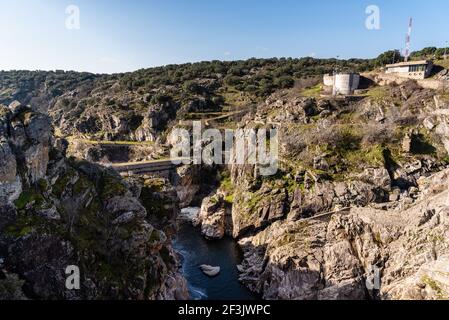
<point x="411" y="69"/>
<point x="342" y="83"/>
<point x="328" y="80"/>
<point x="161" y="168"/>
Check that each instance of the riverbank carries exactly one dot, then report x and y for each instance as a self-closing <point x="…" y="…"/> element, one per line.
<point x="195" y="251"/>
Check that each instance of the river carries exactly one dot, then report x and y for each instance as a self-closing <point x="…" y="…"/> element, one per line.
<point x="195" y="251"/>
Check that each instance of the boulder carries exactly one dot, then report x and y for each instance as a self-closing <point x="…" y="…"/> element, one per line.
<point x="429" y="123"/>
<point x="210" y="270"/>
<point x="378" y="177"/>
<point x="212" y="226"/>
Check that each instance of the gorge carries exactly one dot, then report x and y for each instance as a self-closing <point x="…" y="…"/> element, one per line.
<point x="360" y="191"/>
<point x="196" y="250"/>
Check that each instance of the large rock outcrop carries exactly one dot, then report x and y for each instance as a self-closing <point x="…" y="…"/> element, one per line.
<point x="57" y="212"/>
<point x="349" y="214"/>
<point x="215" y="217"/>
<point x="187" y="181"/>
<point x="339" y="256"/>
<point x="112" y="153"/>
<point x="259" y="202"/>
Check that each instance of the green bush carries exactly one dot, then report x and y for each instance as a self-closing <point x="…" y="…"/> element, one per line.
<point x="285" y="82"/>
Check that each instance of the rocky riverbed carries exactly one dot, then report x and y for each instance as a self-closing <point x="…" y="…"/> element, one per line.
<point x="196" y="251"/>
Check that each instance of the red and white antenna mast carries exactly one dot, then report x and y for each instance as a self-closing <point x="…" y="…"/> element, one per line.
<point x="407" y="40"/>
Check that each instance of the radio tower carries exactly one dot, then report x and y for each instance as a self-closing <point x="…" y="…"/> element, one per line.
<point x="407" y="41"/>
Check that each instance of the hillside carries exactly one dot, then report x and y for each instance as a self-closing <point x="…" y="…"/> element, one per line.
<point x="361" y="183"/>
<point x="363" y="167"/>
<point x="138" y="106"/>
<point x="57" y="212"/>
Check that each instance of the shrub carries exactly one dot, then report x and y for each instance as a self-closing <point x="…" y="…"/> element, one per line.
<point x="285" y="82"/>
<point x="192" y="87"/>
<point x="160" y="99"/>
<point x="232" y="80"/>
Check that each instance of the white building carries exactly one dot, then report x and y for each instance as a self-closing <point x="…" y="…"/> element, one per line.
<point x="344" y="83"/>
<point x="411" y="69"/>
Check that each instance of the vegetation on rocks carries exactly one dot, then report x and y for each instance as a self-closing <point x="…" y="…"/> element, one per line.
<point x="137" y="106"/>
<point x="72" y="212"/>
<point x="372" y="167"/>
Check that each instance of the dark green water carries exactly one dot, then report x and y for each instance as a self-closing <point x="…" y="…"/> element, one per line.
<point x="224" y="253"/>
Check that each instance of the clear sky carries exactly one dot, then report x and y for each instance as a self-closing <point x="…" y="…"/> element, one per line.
<point x="117" y="36"/>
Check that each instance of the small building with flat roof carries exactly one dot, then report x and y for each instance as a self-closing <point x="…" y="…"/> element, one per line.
<point x="411" y="69"/>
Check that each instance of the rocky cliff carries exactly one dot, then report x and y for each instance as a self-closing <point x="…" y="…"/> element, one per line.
<point x="57" y="212"/>
<point x="357" y="210"/>
<point x="360" y="189"/>
<point x="359" y="254"/>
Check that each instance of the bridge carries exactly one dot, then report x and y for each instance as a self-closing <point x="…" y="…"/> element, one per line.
<point x="159" y="167"/>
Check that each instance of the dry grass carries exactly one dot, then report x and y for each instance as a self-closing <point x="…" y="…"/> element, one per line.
<point x="312" y="92"/>
<point x="377" y="93"/>
<point x="442" y="63"/>
<point x="235" y="99"/>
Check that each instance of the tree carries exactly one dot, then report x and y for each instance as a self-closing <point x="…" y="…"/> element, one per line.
<point x="265" y="88"/>
<point x="284" y="82"/>
<point x="428" y="52"/>
<point x="192" y="87"/>
<point x="232" y="80"/>
<point x="160" y="98"/>
<point x="441" y="51"/>
<point x="391" y="56"/>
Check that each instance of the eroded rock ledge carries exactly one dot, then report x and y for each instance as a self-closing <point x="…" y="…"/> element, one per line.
<point x="333" y="257"/>
<point x="56" y="212"/>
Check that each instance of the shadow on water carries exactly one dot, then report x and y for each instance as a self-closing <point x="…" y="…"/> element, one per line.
<point x="225" y="253"/>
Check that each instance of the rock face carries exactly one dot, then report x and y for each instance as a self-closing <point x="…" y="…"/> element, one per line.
<point x="57" y="212"/>
<point x="113" y="119"/>
<point x="214" y="217"/>
<point x="275" y="200"/>
<point x="349" y="215"/>
<point x="187" y="183"/>
<point x="335" y="257"/>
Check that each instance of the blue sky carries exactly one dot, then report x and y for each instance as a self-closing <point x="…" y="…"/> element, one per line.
<point x="117" y="36"/>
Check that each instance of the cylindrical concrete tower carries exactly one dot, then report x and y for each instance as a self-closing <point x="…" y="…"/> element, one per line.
<point x="346" y="83"/>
